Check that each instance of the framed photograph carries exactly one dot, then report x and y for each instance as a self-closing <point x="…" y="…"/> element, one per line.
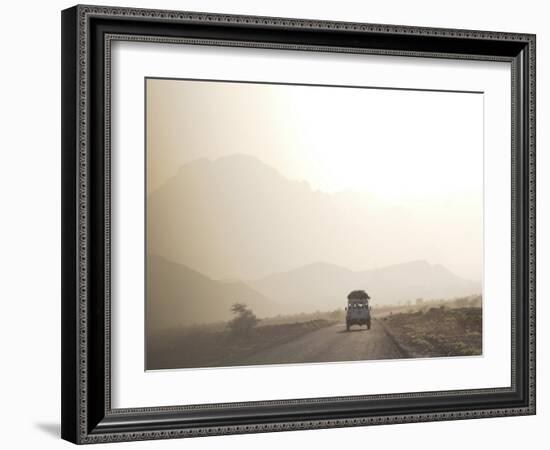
<point x="276" y="224"/>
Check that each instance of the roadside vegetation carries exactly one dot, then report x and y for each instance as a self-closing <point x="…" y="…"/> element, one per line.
<point x="452" y="328"/>
<point x="228" y="344"/>
<point x="420" y="328"/>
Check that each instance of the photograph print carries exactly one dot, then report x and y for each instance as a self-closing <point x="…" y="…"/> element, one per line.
<point x="298" y="224"/>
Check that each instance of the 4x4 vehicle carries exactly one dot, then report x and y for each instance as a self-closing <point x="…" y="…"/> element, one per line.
<point x="358" y="309"/>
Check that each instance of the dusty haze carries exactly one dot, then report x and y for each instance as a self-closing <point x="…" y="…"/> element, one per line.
<point x="248" y="180"/>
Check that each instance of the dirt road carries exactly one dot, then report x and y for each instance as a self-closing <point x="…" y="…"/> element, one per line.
<point x="331" y="344"/>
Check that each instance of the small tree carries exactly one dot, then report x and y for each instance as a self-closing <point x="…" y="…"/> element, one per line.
<point x="243" y="321"/>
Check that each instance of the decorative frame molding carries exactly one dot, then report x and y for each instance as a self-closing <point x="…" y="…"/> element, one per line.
<point x="88" y="31"/>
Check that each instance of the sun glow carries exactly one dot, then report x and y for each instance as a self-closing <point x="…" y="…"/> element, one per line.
<point x="391" y="144"/>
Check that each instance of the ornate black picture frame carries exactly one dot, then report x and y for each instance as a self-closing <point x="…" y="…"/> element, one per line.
<point x="87" y="34"/>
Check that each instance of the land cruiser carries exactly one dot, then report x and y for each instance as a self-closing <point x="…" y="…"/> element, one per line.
<point x="358" y="309"/>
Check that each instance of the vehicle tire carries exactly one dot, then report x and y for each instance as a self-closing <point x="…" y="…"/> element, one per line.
<point x="368" y="325"/>
<point x="347" y="326"/>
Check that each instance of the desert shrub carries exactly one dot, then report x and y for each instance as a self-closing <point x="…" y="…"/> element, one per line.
<point x="432" y="311"/>
<point x="244" y="321"/>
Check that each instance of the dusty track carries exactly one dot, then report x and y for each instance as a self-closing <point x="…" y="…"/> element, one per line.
<point x="331" y="344"/>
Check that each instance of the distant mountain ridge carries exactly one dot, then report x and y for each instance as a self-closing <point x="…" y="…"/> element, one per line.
<point x="180" y="296"/>
<point x="320" y="286"/>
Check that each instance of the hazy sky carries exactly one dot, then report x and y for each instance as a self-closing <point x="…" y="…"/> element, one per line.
<point x="402" y="148"/>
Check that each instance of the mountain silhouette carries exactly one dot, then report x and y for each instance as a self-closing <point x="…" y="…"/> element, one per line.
<point x="180" y="296"/>
<point x="238" y="218"/>
<point x="325" y="286"/>
<point x="234" y="218"/>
